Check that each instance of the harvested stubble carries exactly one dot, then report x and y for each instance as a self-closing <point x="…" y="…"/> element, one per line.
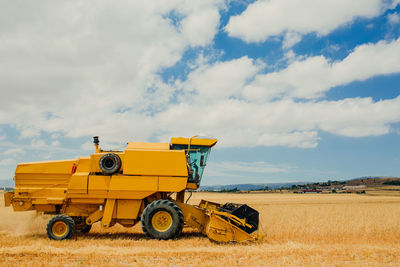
<point x="338" y="230"/>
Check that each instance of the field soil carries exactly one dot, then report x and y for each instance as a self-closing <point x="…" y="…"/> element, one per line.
<point x="299" y="229"/>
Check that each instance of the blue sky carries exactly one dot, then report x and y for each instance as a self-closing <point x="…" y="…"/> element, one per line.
<point x="293" y="90"/>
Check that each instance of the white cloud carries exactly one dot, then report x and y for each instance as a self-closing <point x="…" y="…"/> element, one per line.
<point x="88" y="146"/>
<point x="255" y="167"/>
<point x="8" y="162"/>
<point x="200" y="27"/>
<point x="221" y="79"/>
<point x="311" y="77"/>
<point x="264" y="19"/>
<point x="93" y="61"/>
<point x="291" y="38"/>
<point x="280" y="123"/>
<point x="211" y="102"/>
<point x="240" y="170"/>
<point x="14" y="151"/>
<point x="38" y="143"/>
<point x="55" y="143"/>
<point x="395" y="3"/>
<point x="95" y="71"/>
<point x="394" y="18"/>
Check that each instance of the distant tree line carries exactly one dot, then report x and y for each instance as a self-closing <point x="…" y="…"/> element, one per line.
<point x="396" y="182"/>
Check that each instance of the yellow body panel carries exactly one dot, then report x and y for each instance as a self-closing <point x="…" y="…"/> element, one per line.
<point x="98" y="186"/>
<point x="147" y="146"/>
<point x="83" y="164"/>
<point x="132" y="187"/>
<point x="171" y="184"/>
<point x="156" y="163"/>
<point x="46" y="167"/>
<point x="76" y="200"/>
<point x="46" y="208"/>
<point x="128" y="209"/>
<point x="193" y="141"/>
<point x="78" y="183"/>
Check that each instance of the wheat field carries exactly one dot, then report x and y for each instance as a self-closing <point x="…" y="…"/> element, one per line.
<point x="300" y="230"/>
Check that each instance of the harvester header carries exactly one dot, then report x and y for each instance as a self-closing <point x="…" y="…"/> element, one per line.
<point x="146" y="182"/>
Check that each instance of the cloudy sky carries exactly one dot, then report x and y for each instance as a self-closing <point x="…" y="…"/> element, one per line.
<point x="293" y="89"/>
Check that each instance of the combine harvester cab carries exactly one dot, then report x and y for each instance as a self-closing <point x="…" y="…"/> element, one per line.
<point x="129" y="186"/>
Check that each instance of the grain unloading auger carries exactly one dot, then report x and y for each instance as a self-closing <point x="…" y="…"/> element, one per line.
<point x="146" y="182"/>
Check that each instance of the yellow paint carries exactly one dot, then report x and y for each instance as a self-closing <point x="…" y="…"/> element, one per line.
<point x="87" y="200"/>
<point x="221" y="230"/>
<point x="191" y="186"/>
<point x="59" y="228"/>
<point x="171" y="184"/>
<point x="78" y="183"/>
<point x="193" y="141"/>
<point x="46" y="167"/>
<point x="156" y="163"/>
<point x="94" y="217"/>
<point x="193" y="216"/>
<point x="132" y="187"/>
<point x="55" y="200"/>
<point x="161" y="221"/>
<point x="20" y="204"/>
<point x="83" y="164"/>
<point x="8" y="196"/>
<point x="45" y="208"/>
<point x="108" y="213"/>
<point x="147" y="146"/>
<point x="128" y="209"/>
<point x="208" y="220"/>
<point x="98" y="186"/>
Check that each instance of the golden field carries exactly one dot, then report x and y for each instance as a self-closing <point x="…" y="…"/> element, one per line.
<point x="300" y="230"/>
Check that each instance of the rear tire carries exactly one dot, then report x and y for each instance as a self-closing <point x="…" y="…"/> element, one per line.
<point x="60" y="227"/>
<point x="162" y="219"/>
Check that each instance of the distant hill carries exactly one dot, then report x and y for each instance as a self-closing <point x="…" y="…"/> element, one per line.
<point x="247" y="187"/>
<point x="368" y="181"/>
<point x="372" y="181"/>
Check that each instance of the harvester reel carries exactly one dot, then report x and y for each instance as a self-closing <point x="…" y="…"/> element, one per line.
<point x="162" y="219"/>
<point x="60" y="227"/>
<point x="110" y="163"/>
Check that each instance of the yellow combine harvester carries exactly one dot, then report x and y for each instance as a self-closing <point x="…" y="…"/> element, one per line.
<point x="126" y="187"/>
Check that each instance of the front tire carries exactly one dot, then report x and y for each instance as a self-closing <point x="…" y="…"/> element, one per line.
<point x="60" y="227"/>
<point x="162" y="219"/>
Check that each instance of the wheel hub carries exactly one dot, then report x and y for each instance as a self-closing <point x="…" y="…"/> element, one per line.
<point x="59" y="228"/>
<point x="161" y="221"/>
